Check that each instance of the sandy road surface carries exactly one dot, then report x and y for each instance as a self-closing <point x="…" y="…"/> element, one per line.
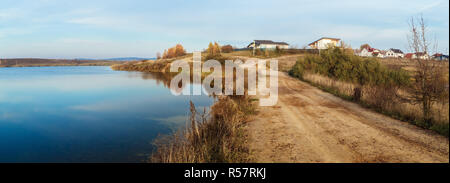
<point x="309" y="125"/>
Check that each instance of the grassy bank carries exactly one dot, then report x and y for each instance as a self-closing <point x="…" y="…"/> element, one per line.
<point x="371" y="84"/>
<point x="213" y="137"/>
<point x="145" y="66"/>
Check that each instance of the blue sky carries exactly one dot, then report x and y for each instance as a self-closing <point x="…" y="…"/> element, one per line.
<point x="104" y="29"/>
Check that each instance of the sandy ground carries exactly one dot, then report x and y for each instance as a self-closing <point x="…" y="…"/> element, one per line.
<point x="309" y="125"/>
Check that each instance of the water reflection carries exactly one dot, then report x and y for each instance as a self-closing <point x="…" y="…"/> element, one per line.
<point x="86" y="114"/>
<point x="164" y="79"/>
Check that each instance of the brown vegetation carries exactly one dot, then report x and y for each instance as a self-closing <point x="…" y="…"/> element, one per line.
<point x="429" y="82"/>
<point x="227" y="49"/>
<point x="385" y="89"/>
<point x="160" y="65"/>
<point x="217" y="136"/>
<point x="213" y="51"/>
<point x="365" y="46"/>
<point x="144" y="66"/>
<point x="176" y="51"/>
<point x="385" y="100"/>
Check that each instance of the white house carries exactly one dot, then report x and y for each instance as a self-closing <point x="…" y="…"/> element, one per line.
<point x="381" y="54"/>
<point x="372" y="52"/>
<point x="366" y="53"/>
<point x="268" y="44"/>
<point x="420" y="55"/>
<point x="324" y="43"/>
<point x="394" y="53"/>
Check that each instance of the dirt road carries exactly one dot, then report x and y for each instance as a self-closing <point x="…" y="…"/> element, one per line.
<point x="309" y="125"/>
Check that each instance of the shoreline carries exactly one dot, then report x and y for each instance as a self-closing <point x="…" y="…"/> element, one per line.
<point x="33" y="62"/>
<point x="82" y="65"/>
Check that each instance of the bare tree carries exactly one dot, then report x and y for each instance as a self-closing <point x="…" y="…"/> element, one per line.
<point x="429" y="84"/>
<point x="366" y="46"/>
<point x="158" y="56"/>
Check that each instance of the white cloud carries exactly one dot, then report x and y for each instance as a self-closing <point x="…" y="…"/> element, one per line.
<point x="4" y="32"/>
<point x="430" y="6"/>
<point x="96" y="21"/>
<point x="10" y="14"/>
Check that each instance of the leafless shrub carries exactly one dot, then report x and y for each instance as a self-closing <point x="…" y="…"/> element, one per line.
<point x="430" y="83"/>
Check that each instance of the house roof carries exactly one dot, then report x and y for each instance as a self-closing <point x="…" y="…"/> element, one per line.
<point x="440" y="55"/>
<point x="396" y="50"/>
<point x="370" y="49"/>
<point x="409" y="55"/>
<point x="259" y="42"/>
<point x="324" y="38"/>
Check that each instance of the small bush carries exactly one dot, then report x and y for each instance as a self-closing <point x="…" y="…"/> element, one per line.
<point x="441" y="128"/>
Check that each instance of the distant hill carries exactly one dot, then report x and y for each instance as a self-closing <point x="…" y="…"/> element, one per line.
<point x="37" y="62"/>
<point x="129" y="59"/>
<point x="124" y="59"/>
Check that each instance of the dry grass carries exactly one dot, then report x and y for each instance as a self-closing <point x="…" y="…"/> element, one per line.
<point x="385" y="101"/>
<point x="343" y="87"/>
<point x="244" y="53"/>
<point x="406" y="64"/>
<point x="161" y="65"/>
<point x="144" y="66"/>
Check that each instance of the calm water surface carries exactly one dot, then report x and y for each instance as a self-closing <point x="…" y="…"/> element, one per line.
<point x="85" y="114"/>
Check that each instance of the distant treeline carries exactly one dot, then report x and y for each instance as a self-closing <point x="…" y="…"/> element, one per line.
<point x="36" y="62"/>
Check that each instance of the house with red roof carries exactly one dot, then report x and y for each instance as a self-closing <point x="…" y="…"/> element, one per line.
<point x="440" y="56"/>
<point x="420" y="55"/>
<point x="409" y="55"/>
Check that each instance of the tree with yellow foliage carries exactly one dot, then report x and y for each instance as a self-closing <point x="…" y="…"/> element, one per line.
<point x="176" y="51"/>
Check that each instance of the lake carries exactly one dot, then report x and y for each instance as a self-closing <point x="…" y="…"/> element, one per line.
<point x="86" y="114"/>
